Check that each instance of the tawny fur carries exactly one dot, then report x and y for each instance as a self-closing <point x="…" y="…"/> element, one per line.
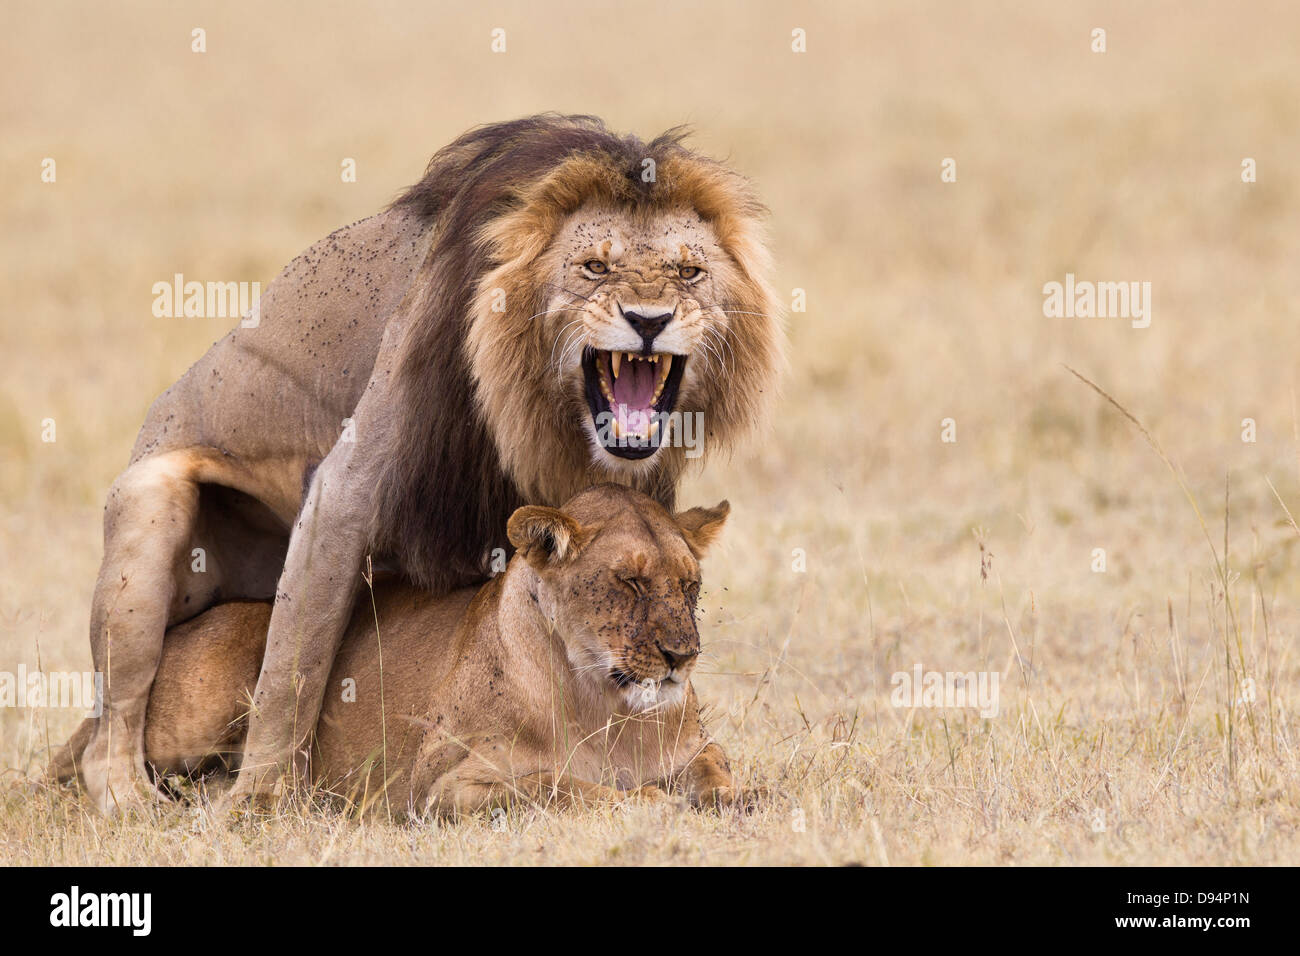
<point x="405" y="385"/>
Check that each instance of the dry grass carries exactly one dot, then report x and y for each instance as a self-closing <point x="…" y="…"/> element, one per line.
<point x="1120" y="689"/>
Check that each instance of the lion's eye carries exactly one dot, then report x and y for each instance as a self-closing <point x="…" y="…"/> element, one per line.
<point x="690" y="272"/>
<point x="636" y="584"/>
<point x="595" y="267"/>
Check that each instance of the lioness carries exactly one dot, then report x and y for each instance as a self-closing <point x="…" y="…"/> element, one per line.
<point x="552" y="305"/>
<point x="565" y="678"/>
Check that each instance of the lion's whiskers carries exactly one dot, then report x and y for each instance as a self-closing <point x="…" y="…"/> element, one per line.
<point x="714" y="308"/>
<point x="560" y="333"/>
<point x="712" y="354"/>
<point x="595" y="666"/>
<point x="574" y="339"/>
<point x="722" y="344"/>
<point x="549" y="312"/>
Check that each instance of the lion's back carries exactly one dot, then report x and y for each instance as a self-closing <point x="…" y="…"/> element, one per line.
<point x="284" y="385"/>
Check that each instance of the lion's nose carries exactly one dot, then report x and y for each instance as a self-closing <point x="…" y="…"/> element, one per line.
<point x="647" y="322"/>
<point x="678" y="658"/>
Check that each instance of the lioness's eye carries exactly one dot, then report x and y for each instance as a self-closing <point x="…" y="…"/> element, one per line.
<point x="595" y="267"/>
<point x="636" y="584"/>
<point x="689" y="272"/>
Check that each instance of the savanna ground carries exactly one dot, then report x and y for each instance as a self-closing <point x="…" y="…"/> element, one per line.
<point x="1148" y="712"/>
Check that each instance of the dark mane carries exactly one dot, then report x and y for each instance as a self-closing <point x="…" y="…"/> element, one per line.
<point x="443" y="499"/>
<point x="481" y="166"/>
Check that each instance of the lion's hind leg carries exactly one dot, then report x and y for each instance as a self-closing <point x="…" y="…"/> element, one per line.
<point x="198" y="706"/>
<point x="149" y="519"/>
<point x="65" y="766"/>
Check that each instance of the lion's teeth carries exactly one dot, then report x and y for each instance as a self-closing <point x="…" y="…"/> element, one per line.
<point x="667" y="365"/>
<point x="615" y="359"/>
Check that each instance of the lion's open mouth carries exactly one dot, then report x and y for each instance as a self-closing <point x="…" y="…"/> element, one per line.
<point x="630" y="395"/>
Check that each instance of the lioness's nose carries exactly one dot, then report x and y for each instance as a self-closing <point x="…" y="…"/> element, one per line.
<point x="647" y="321"/>
<point x="676" y="659"/>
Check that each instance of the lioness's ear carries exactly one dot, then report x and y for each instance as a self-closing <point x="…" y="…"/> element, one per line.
<point x="701" y="525"/>
<point x="545" y="535"/>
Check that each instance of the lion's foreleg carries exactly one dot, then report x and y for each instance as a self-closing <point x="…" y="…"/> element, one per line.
<point x="462" y="793"/>
<point x="313" y="604"/>
<point x="708" y="783"/>
<point x="564" y="790"/>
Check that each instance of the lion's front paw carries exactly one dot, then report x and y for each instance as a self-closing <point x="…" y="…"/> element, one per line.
<point x="251" y="798"/>
<point x="648" y="794"/>
<point x="744" y="799"/>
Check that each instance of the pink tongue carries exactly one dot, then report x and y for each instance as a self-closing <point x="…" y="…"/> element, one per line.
<point x="635" y="385"/>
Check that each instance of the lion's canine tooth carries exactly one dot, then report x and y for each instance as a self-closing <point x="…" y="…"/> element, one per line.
<point x="615" y="359"/>
<point x="667" y="365"/>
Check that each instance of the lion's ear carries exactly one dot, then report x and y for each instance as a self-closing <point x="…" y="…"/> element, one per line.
<point x="700" y="526"/>
<point x="545" y="535"/>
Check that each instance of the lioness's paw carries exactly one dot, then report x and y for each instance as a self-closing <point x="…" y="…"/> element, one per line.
<point x="744" y="799"/>
<point x="648" y="794"/>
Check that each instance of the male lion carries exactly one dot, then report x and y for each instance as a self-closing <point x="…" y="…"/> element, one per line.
<point x="566" y="677"/>
<point x="513" y="328"/>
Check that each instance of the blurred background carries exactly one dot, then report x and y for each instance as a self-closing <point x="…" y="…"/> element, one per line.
<point x="924" y="302"/>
